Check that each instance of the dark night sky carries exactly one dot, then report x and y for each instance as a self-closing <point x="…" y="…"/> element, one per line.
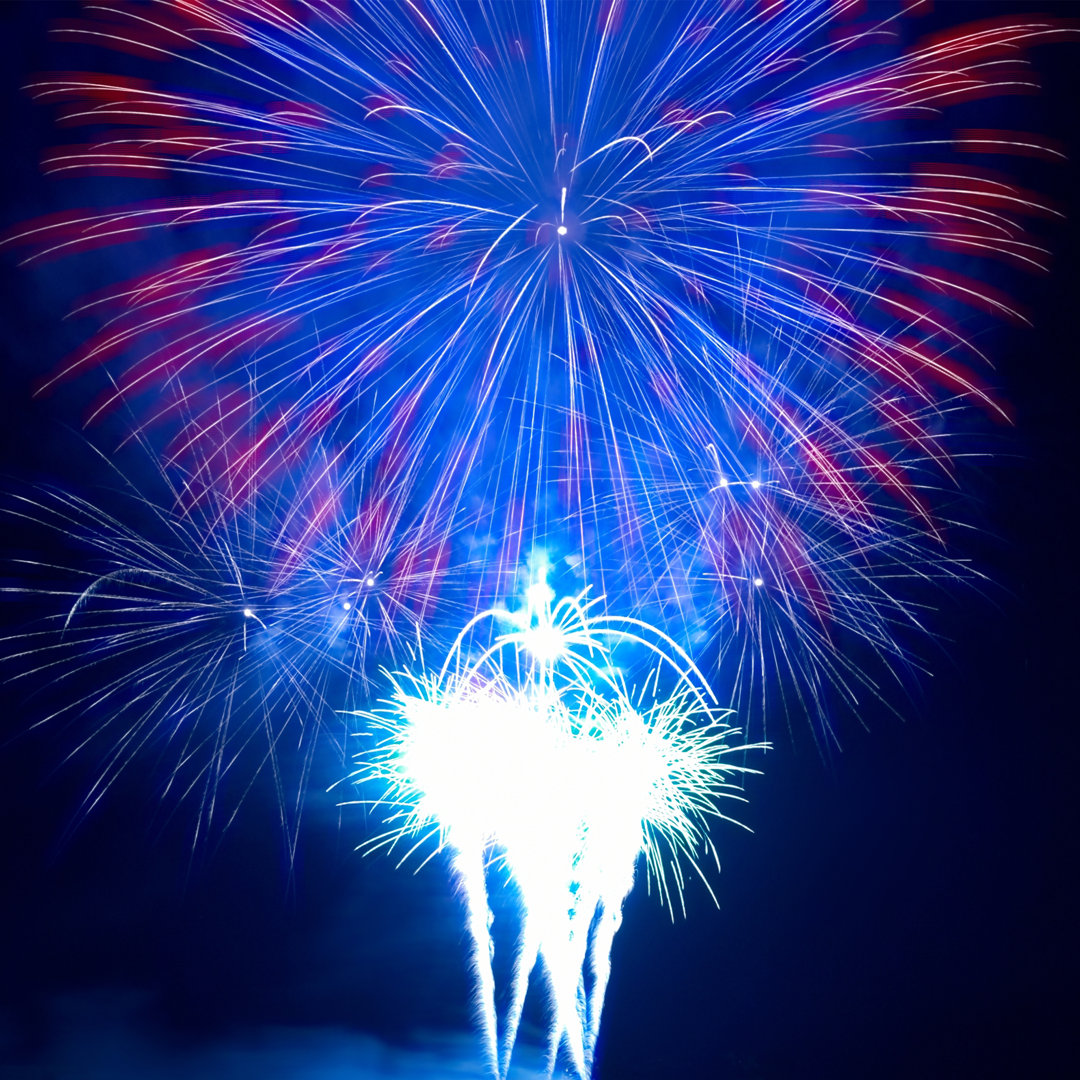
<point x="905" y="909"/>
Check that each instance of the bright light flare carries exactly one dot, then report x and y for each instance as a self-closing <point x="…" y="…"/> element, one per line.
<point x="532" y="755"/>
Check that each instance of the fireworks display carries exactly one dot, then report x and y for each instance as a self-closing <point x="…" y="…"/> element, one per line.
<point x="422" y="310"/>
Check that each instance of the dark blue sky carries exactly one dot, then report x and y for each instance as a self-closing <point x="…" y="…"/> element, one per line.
<point x="904" y="909"/>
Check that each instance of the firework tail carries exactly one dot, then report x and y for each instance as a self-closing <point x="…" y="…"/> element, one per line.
<point x="468" y="866"/>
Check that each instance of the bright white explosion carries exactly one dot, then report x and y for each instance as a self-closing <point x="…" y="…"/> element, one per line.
<point x="533" y="756"/>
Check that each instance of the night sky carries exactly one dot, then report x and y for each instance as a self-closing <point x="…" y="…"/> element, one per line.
<point x="904" y="908"/>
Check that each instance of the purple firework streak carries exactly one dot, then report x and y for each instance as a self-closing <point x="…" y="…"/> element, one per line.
<point x="673" y="303"/>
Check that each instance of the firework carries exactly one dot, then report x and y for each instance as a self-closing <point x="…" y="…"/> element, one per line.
<point x="655" y="288"/>
<point x="224" y="633"/>
<point x="531" y="753"/>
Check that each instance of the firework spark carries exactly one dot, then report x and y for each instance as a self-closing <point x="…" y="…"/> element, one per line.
<point x="531" y="753"/>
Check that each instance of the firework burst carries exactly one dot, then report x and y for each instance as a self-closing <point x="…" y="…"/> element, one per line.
<point x="530" y="753"/>
<point x="653" y="287"/>
<point x="226" y="636"/>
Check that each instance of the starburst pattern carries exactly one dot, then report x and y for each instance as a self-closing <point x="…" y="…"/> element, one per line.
<point x="656" y="288"/>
